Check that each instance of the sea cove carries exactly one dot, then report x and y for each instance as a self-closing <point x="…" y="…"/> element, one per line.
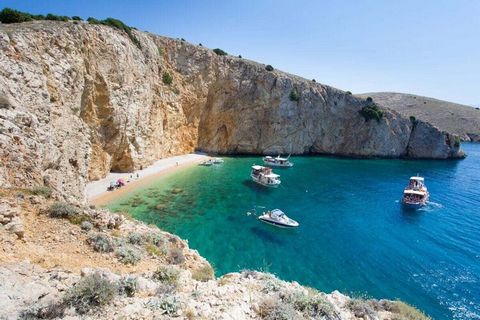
<point x="354" y="235"/>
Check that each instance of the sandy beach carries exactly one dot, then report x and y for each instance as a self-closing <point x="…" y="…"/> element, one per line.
<point x="97" y="193"/>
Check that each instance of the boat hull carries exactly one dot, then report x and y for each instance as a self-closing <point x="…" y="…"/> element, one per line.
<point x="277" y="224"/>
<point x="277" y="165"/>
<point x="413" y="206"/>
<point x="271" y="185"/>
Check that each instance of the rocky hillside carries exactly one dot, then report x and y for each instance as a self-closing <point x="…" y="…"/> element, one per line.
<point x="458" y="119"/>
<point x="72" y="262"/>
<point x="79" y="100"/>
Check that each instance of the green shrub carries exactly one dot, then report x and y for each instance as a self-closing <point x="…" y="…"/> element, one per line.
<point x="128" y="255"/>
<point x="457" y="142"/>
<point x="176" y="256"/>
<point x="167" y="78"/>
<point x="313" y="80"/>
<point x="413" y="119"/>
<point x="369" y="99"/>
<point x="349" y="92"/>
<point x="169" y="305"/>
<point x="200" y="45"/>
<point x="42" y="191"/>
<point x="92" y="291"/>
<point x="220" y="52"/>
<point x="135" y="238"/>
<point x="315" y="305"/>
<point x="371" y="111"/>
<point x="86" y="225"/>
<point x="62" y="210"/>
<point x="361" y="308"/>
<point x="183" y="40"/>
<point x="127" y="286"/>
<point x="269" y="68"/>
<point x="294" y="95"/>
<point x="77" y="18"/>
<point x="403" y="311"/>
<point x="101" y="243"/>
<point x="204" y="273"/>
<point x="8" y="15"/>
<point x="273" y="308"/>
<point x="167" y="274"/>
<point x="117" y="24"/>
<point x="54" y="17"/>
<point x="53" y="310"/>
<point x="240" y="56"/>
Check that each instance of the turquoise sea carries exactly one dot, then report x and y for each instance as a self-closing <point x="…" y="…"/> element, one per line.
<point x="354" y="235"/>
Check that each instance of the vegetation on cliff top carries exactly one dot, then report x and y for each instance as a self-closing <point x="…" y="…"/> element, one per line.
<point x="117" y="24"/>
<point x="8" y="15"/>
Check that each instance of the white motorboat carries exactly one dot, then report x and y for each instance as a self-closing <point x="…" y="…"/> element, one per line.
<point x="207" y="163"/>
<point x="277" y="161"/>
<point x="278" y="218"/>
<point x="415" y="195"/>
<point x="217" y="160"/>
<point x="265" y="176"/>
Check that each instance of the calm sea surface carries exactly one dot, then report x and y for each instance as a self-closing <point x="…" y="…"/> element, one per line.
<point x="354" y="235"/>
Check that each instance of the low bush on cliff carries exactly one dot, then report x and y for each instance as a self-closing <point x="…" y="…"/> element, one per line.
<point x="128" y="255"/>
<point x="361" y="308"/>
<point x="313" y="304"/>
<point x="62" y="210"/>
<point x="54" y="17"/>
<point x="8" y="15"/>
<point x="92" y="291"/>
<point x="294" y="95"/>
<point x="176" y="256"/>
<point x="101" y="242"/>
<point x="204" y="273"/>
<point x="117" y="24"/>
<point x="371" y="111"/>
<point x="220" y="52"/>
<point x="403" y="311"/>
<point x="43" y="191"/>
<point x="167" y="274"/>
<point x="167" y="78"/>
<point x="52" y="310"/>
<point x="269" y="68"/>
<point x="127" y="286"/>
<point x="273" y="308"/>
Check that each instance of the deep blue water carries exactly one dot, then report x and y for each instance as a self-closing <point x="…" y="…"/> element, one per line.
<point x="354" y="235"/>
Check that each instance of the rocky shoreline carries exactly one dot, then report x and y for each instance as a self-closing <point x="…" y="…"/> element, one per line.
<point x="76" y="276"/>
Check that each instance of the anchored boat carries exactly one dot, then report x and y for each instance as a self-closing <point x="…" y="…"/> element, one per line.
<point x="278" y="218"/>
<point x="265" y="176"/>
<point x="415" y="195"/>
<point x="277" y="161"/>
<point x="217" y="160"/>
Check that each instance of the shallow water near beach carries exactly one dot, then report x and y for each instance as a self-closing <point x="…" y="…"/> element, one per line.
<point x="354" y="235"/>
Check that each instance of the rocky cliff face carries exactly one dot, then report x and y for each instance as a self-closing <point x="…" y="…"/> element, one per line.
<point x="78" y="100"/>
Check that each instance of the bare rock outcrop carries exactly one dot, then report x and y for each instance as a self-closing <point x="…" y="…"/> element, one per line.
<point x="80" y="100"/>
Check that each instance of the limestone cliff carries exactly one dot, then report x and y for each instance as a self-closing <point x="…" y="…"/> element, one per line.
<point x="79" y="100"/>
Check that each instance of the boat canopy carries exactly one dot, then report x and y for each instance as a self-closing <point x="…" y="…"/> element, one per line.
<point x="419" y="193"/>
<point x="257" y="167"/>
<point x="277" y="213"/>
<point x="417" y="178"/>
<point x="268" y="157"/>
<point x="272" y="175"/>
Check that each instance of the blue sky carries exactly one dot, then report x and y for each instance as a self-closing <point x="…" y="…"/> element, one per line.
<point x="427" y="47"/>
